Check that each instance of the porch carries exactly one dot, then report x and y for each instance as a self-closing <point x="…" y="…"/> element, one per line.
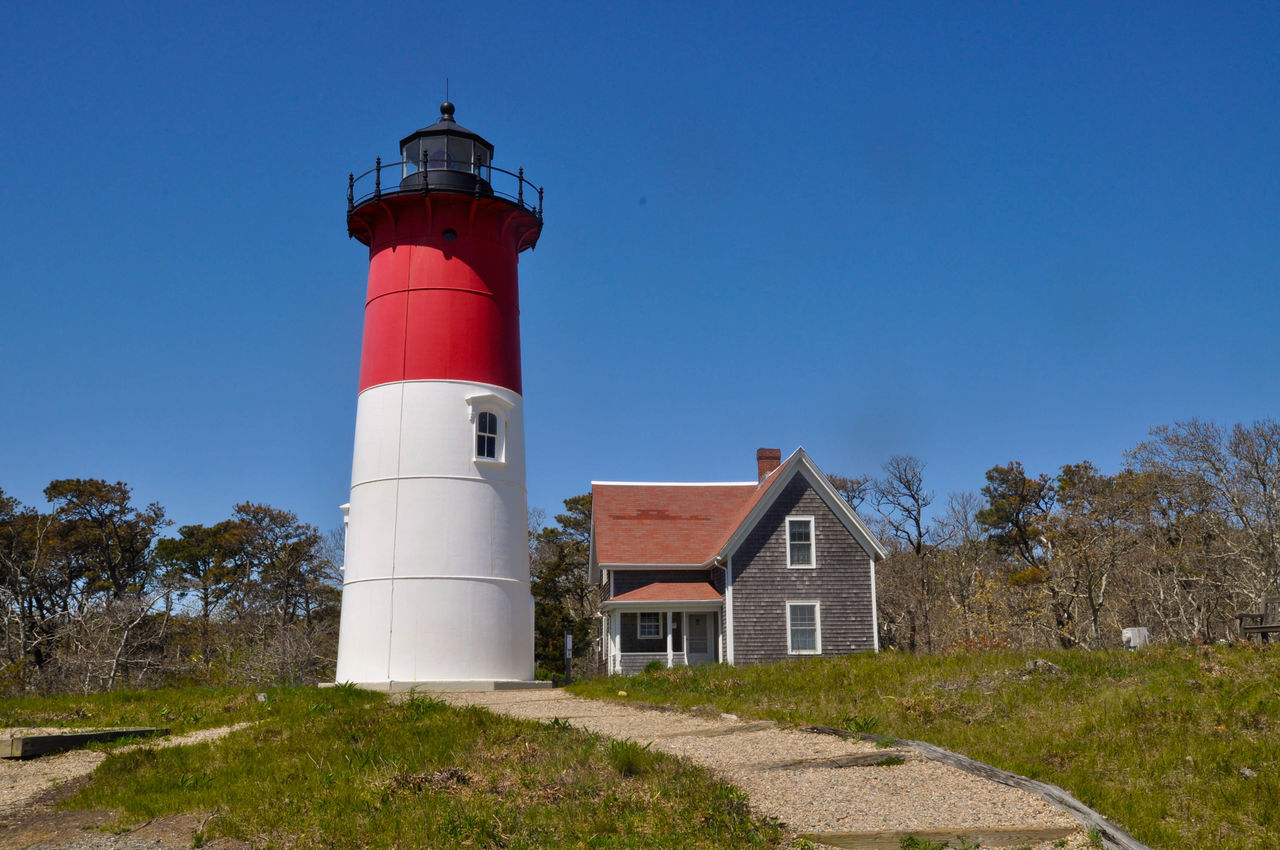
<point x="642" y="627"/>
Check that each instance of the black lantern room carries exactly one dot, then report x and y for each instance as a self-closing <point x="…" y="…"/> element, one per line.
<point x="447" y="155"/>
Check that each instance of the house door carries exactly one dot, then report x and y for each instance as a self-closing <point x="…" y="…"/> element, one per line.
<point x="698" y="643"/>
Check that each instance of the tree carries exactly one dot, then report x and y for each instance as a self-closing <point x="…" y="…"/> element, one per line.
<point x="1093" y="531"/>
<point x="34" y="608"/>
<point x="289" y="581"/>
<point x="967" y="576"/>
<point x="1236" y="476"/>
<point x="564" y="600"/>
<point x="1016" y="516"/>
<point x="212" y="561"/>
<point x="105" y="535"/>
<point x="902" y="500"/>
<point x="853" y="490"/>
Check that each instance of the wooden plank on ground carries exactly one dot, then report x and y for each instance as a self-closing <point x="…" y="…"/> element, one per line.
<point x="876" y="759"/>
<point x="720" y="731"/>
<point x="987" y="837"/>
<point x="29" y="746"/>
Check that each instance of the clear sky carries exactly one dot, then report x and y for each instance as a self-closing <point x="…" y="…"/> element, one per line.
<point x="969" y="232"/>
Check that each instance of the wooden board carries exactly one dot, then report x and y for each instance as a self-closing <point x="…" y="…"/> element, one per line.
<point x="875" y="759"/>
<point x="718" y="732"/>
<point x="989" y="837"/>
<point x="29" y="746"/>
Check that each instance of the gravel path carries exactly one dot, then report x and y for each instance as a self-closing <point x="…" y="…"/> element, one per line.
<point x="23" y="780"/>
<point x="802" y="778"/>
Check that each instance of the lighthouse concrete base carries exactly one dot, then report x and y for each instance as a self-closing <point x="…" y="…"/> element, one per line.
<point x="437" y="687"/>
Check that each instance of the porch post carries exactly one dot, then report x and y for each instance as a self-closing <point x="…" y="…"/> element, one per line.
<point x="670" y="623"/>
<point x="615" y="642"/>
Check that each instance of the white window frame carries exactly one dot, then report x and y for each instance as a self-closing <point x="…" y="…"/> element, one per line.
<point x="640" y="635"/>
<point x="499" y="407"/>
<point x="813" y="542"/>
<point x="817" y="627"/>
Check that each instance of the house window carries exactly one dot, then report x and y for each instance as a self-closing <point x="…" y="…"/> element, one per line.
<point x="804" y="631"/>
<point x="487" y="435"/>
<point x="650" y="626"/>
<point x="800" y="541"/>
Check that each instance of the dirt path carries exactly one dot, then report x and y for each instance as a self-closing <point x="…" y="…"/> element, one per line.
<point x="30" y="788"/>
<point x="819" y="785"/>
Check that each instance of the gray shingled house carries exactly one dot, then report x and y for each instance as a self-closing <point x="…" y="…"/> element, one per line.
<point x="738" y="572"/>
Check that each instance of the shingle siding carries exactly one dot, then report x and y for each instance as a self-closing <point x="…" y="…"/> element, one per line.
<point x="635" y="662"/>
<point x="763" y="584"/>
<point x="625" y="581"/>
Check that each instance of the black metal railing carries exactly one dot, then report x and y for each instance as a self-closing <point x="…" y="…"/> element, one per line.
<point x="393" y="178"/>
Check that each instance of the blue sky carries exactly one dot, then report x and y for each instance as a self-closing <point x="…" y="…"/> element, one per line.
<point x="969" y="232"/>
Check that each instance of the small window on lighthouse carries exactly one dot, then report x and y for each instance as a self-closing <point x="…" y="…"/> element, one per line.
<point x="487" y="435"/>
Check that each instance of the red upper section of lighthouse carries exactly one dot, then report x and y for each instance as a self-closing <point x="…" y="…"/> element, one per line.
<point x="443" y="300"/>
<point x="443" y="237"/>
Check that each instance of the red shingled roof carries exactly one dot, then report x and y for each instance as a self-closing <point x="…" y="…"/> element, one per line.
<point x="677" y="524"/>
<point x="671" y="591"/>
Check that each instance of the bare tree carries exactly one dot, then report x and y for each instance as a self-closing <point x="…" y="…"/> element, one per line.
<point x="1239" y="473"/>
<point x="853" y="490"/>
<point x="902" y="500"/>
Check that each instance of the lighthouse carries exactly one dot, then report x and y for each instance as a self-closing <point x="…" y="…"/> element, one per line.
<point x="436" y="579"/>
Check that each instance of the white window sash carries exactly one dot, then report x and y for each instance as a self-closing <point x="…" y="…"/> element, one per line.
<point x="657" y="625"/>
<point x="816" y="627"/>
<point x="813" y="542"/>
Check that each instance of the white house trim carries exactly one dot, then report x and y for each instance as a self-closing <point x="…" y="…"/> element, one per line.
<point x="728" y="611"/>
<point x="677" y="483"/>
<point x="875" y="621"/>
<point x="629" y="566"/>
<point x="697" y="606"/>
<point x="615" y="643"/>
<point x="671" y="622"/>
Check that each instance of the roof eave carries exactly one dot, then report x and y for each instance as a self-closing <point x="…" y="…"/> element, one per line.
<point x="659" y="603"/>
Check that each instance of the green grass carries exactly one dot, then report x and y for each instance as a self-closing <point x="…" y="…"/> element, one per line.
<point x="179" y="709"/>
<point x="347" y="768"/>
<point x="1155" y="740"/>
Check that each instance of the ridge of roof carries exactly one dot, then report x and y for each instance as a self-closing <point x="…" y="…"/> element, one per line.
<point x="676" y="483"/>
<point x="799" y="463"/>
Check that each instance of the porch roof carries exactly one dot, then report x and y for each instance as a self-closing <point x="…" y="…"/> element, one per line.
<point x="671" y="591"/>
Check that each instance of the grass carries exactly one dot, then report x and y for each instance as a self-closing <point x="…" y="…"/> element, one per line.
<point x="347" y="768"/>
<point x="1177" y="744"/>
<point x="179" y="709"/>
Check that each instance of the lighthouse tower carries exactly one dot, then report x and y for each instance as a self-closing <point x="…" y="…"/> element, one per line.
<point x="436" y="583"/>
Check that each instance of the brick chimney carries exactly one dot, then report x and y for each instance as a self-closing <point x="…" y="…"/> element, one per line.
<point x="767" y="460"/>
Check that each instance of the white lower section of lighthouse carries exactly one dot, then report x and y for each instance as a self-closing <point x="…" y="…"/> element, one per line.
<point x="436" y="581"/>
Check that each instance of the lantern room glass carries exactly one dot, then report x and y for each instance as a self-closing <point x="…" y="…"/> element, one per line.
<point x="445" y="153"/>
